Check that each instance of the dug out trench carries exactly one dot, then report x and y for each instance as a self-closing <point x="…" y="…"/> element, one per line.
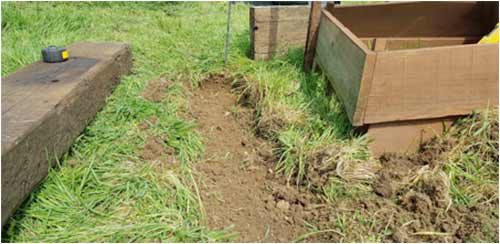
<point x="408" y="199"/>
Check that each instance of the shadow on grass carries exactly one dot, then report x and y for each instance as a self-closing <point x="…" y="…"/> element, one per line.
<point x="11" y="228"/>
<point x="313" y="87"/>
<point x="328" y="108"/>
<point x="242" y="43"/>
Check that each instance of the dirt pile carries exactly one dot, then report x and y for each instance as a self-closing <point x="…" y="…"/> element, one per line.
<point x="420" y="188"/>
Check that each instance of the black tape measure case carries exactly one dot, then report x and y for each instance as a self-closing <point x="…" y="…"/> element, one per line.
<point x="54" y="54"/>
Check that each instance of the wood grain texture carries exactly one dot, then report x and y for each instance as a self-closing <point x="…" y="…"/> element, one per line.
<point x="312" y="35"/>
<point x="280" y="12"/>
<point x="342" y="57"/>
<point x="405" y="136"/>
<point x="399" y="43"/>
<point x="46" y="106"/>
<point x="433" y="82"/>
<point x="273" y="29"/>
<point x="419" y="19"/>
<point x="364" y="89"/>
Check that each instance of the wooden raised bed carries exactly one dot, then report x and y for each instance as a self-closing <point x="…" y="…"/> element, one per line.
<point x="409" y="61"/>
<point x="273" y="29"/>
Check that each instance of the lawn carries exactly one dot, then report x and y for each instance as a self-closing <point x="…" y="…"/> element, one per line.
<point x="103" y="191"/>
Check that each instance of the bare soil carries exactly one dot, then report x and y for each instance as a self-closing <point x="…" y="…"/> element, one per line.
<point x="420" y="190"/>
<point x="155" y="90"/>
<point x="408" y="201"/>
<point x="239" y="185"/>
<point x="153" y="149"/>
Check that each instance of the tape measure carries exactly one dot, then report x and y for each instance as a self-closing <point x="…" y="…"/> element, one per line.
<point x="54" y="54"/>
<point x="492" y="37"/>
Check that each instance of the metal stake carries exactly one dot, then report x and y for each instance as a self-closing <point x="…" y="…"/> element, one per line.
<point x="226" y="47"/>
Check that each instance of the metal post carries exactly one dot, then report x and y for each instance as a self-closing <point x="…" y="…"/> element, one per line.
<point x="226" y="47"/>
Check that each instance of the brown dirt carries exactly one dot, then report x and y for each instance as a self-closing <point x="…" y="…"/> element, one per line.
<point x="153" y="149"/>
<point x="410" y="202"/>
<point x="238" y="186"/>
<point x="157" y="152"/>
<point x="419" y="190"/>
<point x="414" y="216"/>
<point x="402" y="198"/>
<point x="155" y="90"/>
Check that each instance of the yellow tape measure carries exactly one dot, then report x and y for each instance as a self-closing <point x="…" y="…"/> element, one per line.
<point x="54" y="54"/>
<point x="492" y="37"/>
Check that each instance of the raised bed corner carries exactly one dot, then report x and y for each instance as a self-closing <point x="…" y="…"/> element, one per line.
<point x="409" y="61"/>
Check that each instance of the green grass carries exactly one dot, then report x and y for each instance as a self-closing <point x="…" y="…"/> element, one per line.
<point x="102" y="191"/>
<point x="183" y="41"/>
<point x="472" y="162"/>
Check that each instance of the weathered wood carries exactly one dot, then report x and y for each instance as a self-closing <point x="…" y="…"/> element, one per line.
<point x="405" y="136"/>
<point x="364" y="89"/>
<point x="433" y="82"/>
<point x="330" y="6"/>
<point x="419" y="19"/>
<point x="398" y="43"/>
<point x="312" y="35"/>
<point x="379" y="44"/>
<point x="288" y="34"/>
<point x="280" y="12"/>
<point x="273" y="29"/>
<point x="415" y="76"/>
<point x="342" y="57"/>
<point x="46" y="106"/>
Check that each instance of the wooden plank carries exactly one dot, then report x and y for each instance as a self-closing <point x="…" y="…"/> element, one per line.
<point x="312" y="35"/>
<point x="330" y="6"/>
<point x="275" y="28"/>
<point x="413" y="19"/>
<point x="274" y="32"/>
<point x="379" y="44"/>
<point x="399" y="43"/>
<point x="281" y="47"/>
<point x="364" y="89"/>
<point x="280" y="12"/>
<point x="410" y="134"/>
<point x="46" y="106"/>
<point x="433" y="82"/>
<point x="342" y="57"/>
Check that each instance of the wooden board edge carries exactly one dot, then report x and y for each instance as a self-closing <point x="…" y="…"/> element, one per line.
<point x="312" y="35"/>
<point x="354" y="39"/>
<point x="364" y="89"/>
<point x="412" y="51"/>
<point x="458" y="110"/>
<point x="405" y="136"/>
<point x="251" y="26"/>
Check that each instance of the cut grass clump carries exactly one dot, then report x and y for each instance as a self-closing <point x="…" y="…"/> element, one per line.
<point x="470" y="158"/>
<point x="315" y="159"/>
